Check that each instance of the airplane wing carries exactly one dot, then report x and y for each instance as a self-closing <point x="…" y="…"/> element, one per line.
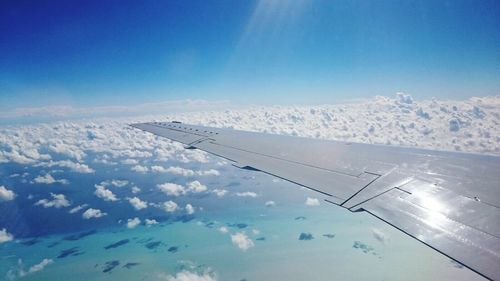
<point x="449" y="201"/>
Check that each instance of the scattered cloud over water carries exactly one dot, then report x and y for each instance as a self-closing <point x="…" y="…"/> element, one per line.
<point x="189" y="276"/>
<point x="189" y="209"/>
<point x="78" y="208"/>
<point x="246" y="194"/>
<point x="170" y="206"/>
<point x="49" y="179"/>
<point x="312" y="201"/>
<point x="35" y="268"/>
<point x="150" y="222"/>
<point x="5" y="194"/>
<point x="93" y="213"/>
<point x="5" y="236"/>
<point x="58" y="201"/>
<point x="380" y="236"/>
<point x="137" y="203"/>
<point x="103" y="193"/>
<point x="132" y="223"/>
<point x="242" y="241"/>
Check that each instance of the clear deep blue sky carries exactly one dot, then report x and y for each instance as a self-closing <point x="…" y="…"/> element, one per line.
<point x="88" y="53"/>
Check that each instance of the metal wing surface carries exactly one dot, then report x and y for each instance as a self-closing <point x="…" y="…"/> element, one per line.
<point x="450" y="201"/>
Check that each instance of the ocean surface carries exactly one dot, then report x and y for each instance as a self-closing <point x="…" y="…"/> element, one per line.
<point x="241" y="225"/>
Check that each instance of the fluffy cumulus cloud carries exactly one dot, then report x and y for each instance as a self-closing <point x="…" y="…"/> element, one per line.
<point x="58" y="201"/>
<point x="150" y="222"/>
<point x="103" y="193"/>
<point x="242" y="241"/>
<point x="137" y="203"/>
<point x="270" y="203"/>
<point x="219" y="192"/>
<point x="191" y="276"/>
<point x="130" y="161"/>
<point x="183" y="171"/>
<point x="5" y="194"/>
<point x="196" y="187"/>
<point x="246" y="194"/>
<point x="72" y="166"/>
<point x="312" y="201"/>
<point x="78" y="208"/>
<point x="132" y="223"/>
<point x="114" y="182"/>
<point x="93" y="213"/>
<point x="464" y="125"/>
<point x="140" y="169"/>
<point x="189" y="209"/>
<point x="172" y="189"/>
<point x="170" y="206"/>
<point x="379" y="235"/>
<point x="49" y="179"/>
<point x="5" y="236"/>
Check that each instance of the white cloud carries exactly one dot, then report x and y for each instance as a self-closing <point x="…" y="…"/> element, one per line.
<point x="211" y="172"/>
<point x="135" y="189"/>
<point x="58" y="201"/>
<point x="67" y="149"/>
<point x="380" y="236"/>
<point x="196" y="187"/>
<point x="404" y="98"/>
<point x="130" y="161"/>
<point x="150" y="222"/>
<point x="183" y="171"/>
<point x="220" y="192"/>
<point x="93" y="213"/>
<point x="223" y="229"/>
<point x="137" y="203"/>
<point x="270" y="204"/>
<point x="40" y="266"/>
<point x="176" y="189"/>
<point x="49" y="179"/>
<point x="5" y="236"/>
<point x="173" y="170"/>
<point x="105" y="194"/>
<point x="5" y="194"/>
<point x="78" y="208"/>
<point x="312" y="201"/>
<point x="172" y="189"/>
<point x="140" y="169"/>
<point x="37" y="267"/>
<point x="75" y="167"/>
<point x="132" y="223"/>
<point x="189" y="209"/>
<point x="170" y="206"/>
<point x="191" y="276"/>
<point x="241" y="240"/>
<point x="246" y="194"/>
<point x="119" y="183"/>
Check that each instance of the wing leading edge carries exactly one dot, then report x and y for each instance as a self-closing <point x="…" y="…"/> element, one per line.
<point x="449" y="201"/>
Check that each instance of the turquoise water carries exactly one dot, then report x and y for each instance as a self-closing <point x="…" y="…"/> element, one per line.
<point x="278" y="254"/>
<point x="285" y="240"/>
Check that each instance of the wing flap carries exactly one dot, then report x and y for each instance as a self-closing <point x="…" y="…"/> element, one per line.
<point x="470" y="246"/>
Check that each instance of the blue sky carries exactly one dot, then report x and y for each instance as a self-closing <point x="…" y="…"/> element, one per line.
<point x="95" y="53"/>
